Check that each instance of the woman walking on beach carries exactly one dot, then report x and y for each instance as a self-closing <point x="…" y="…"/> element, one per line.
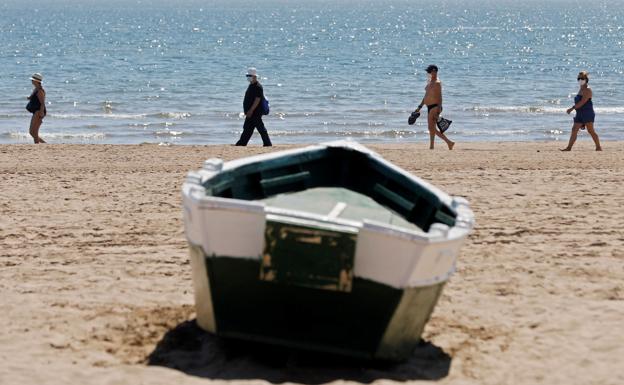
<point x="584" y="112"/>
<point x="36" y="105"/>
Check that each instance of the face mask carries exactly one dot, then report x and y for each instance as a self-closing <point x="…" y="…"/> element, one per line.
<point x="582" y="82"/>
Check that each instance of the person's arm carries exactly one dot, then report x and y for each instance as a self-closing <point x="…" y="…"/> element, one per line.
<point x="587" y="94"/>
<point x="41" y="97"/>
<point x="255" y="104"/>
<point x="422" y="102"/>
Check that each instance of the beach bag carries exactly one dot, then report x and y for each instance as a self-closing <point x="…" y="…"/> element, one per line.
<point x="412" y="118"/>
<point x="266" y="107"/>
<point x="33" y="105"/>
<point x="443" y="124"/>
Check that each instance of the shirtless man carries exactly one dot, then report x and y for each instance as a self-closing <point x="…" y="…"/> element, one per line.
<point x="433" y="100"/>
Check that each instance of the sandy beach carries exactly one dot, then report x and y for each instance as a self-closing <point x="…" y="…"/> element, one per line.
<point x="95" y="281"/>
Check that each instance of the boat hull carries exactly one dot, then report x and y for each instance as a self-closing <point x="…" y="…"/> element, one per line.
<point x="372" y="321"/>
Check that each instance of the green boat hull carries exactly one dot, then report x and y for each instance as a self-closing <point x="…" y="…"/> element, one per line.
<point x="372" y="321"/>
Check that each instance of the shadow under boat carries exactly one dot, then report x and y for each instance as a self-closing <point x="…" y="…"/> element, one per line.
<point x="193" y="351"/>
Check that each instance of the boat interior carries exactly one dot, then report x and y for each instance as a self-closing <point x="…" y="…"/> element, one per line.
<point x="335" y="181"/>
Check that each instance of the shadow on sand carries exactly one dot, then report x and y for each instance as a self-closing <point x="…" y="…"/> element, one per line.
<point x="195" y="352"/>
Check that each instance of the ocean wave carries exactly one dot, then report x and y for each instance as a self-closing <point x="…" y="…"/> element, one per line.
<point x="274" y="113"/>
<point x="538" y="109"/>
<point x="98" y="116"/>
<point x="497" y="133"/>
<point x="57" y="135"/>
<point x="514" y="109"/>
<point x="172" y="115"/>
<point x="348" y="133"/>
<point x="368" y="110"/>
<point x="113" y="116"/>
<point x="609" y="110"/>
<point x="169" y="133"/>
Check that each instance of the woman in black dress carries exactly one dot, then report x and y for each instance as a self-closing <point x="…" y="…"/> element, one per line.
<point x="584" y="112"/>
<point x="36" y="105"/>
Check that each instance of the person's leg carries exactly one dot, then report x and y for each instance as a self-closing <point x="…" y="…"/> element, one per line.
<point x="32" y="130"/>
<point x="35" y="124"/>
<point x="433" y="128"/>
<point x="40" y="123"/>
<point x="449" y="142"/>
<point x="575" y="129"/>
<point x="266" y="141"/>
<point x="248" y="128"/>
<point x="431" y="125"/>
<point x="592" y="132"/>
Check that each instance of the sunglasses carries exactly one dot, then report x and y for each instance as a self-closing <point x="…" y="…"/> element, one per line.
<point x="248" y="76"/>
<point x="581" y="79"/>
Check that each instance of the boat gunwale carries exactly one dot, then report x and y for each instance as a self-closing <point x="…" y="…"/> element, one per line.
<point x="214" y="169"/>
<point x="438" y="234"/>
<point x="442" y="204"/>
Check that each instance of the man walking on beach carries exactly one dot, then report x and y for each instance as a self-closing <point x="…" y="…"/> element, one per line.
<point x="433" y="100"/>
<point x="253" y="111"/>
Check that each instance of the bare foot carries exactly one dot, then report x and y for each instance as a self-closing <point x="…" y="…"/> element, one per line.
<point x="565" y="149"/>
<point x="599" y="149"/>
<point x="451" y="145"/>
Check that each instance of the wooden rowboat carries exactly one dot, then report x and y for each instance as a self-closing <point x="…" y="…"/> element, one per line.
<point x="328" y="247"/>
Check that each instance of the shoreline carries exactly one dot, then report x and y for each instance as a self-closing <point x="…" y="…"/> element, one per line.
<point x="94" y="267"/>
<point x="421" y="141"/>
<point x="255" y="141"/>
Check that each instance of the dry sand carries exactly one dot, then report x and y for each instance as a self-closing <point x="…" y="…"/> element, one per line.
<point x="95" y="281"/>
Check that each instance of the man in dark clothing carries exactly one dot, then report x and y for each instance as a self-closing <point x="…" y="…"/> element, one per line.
<point x="253" y="111"/>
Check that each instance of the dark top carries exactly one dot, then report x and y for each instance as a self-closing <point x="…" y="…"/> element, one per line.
<point x="33" y="102"/>
<point x="253" y="91"/>
<point x="585" y="114"/>
<point x="587" y="107"/>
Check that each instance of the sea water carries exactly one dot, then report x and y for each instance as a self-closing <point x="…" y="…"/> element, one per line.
<point x="174" y="72"/>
